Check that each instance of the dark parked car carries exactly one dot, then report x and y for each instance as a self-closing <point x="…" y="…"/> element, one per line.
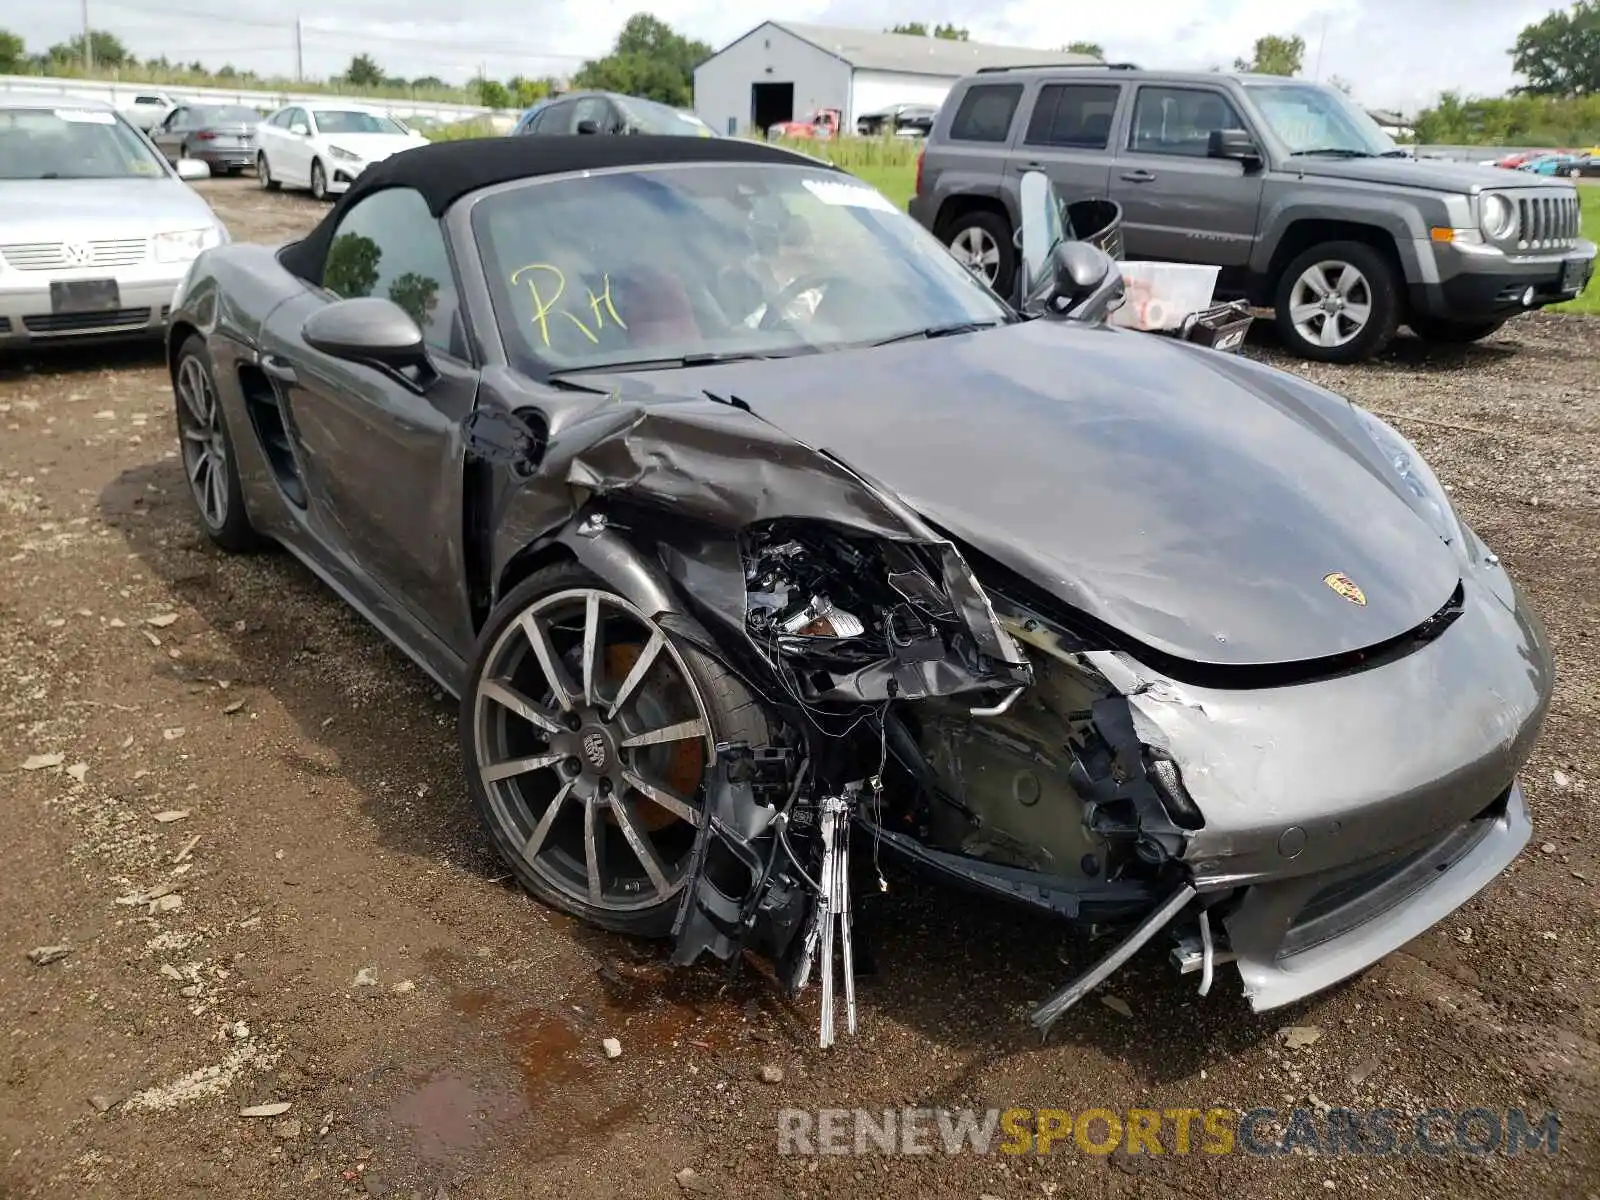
<point x="608" y="113"/>
<point x="1293" y="191"/>
<point x="221" y="136"/>
<point x="915" y="119"/>
<point x="755" y="533"/>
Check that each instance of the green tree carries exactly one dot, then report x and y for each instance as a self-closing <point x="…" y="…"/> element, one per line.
<point x="1560" y="55"/>
<point x="108" y="50"/>
<point x="13" y="53"/>
<point x="352" y="266"/>
<point x="649" y="59"/>
<point x="950" y="33"/>
<point x="909" y="28"/>
<point x="525" y="93"/>
<point x="1275" y="55"/>
<point x="492" y="93"/>
<point x="363" y="71"/>
<point x="428" y="81"/>
<point x="1092" y="49"/>
<point x="417" y="294"/>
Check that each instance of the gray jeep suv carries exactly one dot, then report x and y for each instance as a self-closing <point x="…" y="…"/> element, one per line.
<point x="1291" y="189"/>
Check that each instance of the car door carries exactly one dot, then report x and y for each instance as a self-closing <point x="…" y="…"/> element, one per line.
<point x="1179" y="204"/>
<point x="1068" y="137"/>
<point x="383" y="461"/>
<point x="295" y="148"/>
<point x="169" y="134"/>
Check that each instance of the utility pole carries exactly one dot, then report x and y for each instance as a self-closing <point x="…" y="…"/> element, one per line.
<point x="88" y="41"/>
<point x="1321" y="41"/>
<point x="299" y="49"/>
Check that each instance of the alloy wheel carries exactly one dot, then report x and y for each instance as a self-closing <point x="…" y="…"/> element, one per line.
<point x="975" y="248"/>
<point x="591" y="740"/>
<point x="263" y="172"/>
<point x="1330" y="303"/>
<point x="205" y="448"/>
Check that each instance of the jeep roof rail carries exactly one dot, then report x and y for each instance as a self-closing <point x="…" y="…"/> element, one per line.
<point x="1116" y="66"/>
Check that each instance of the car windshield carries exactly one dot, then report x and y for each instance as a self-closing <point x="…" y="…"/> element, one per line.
<point x="339" y="120"/>
<point x="651" y="117"/>
<point x="713" y="260"/>
<point x="1309" y="119"/>
<point x="73" y="143"/>
<point x="229" y="114"/>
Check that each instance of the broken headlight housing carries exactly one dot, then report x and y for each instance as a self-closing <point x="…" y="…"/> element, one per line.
<point x="1423" y="490"/>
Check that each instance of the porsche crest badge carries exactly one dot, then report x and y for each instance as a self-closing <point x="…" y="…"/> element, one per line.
<point x="1346" y="587"/>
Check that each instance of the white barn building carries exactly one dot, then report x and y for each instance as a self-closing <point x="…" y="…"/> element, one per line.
<point x="785" y="70"/>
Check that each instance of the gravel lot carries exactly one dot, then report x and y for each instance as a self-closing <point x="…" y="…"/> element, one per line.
<point x="337" y="936"/>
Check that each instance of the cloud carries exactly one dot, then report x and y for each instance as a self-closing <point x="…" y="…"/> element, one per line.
<point x="1396" y="53"/>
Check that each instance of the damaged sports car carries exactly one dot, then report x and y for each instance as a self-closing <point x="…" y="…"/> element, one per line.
<point x="757" y="536"/>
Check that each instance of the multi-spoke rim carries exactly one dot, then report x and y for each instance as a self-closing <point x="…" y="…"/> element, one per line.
<point x="976" y="249"/>
<point x="1330" y="303"/>
<point x="205" y="450"/>
<point x="591" y="741"/>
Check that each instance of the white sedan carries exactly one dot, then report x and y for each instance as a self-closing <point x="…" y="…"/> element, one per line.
<point x="325" y="148"/>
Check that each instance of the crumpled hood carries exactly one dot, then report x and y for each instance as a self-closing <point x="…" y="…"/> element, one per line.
<point x="1192" y="500"/>
<point x="1436" y="176"/>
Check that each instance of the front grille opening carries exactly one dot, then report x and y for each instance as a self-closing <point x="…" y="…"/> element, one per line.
<point x="115" y="319"/>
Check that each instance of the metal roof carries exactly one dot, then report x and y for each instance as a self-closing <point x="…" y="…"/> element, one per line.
<point x="870" y="50"/>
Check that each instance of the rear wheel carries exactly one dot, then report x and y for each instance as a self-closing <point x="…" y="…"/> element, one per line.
<point x="585" y="735"/>
<point x="319" y="181"/>
<point x="981" y="241"/>
<point x="1434" y="329"/>
<point x="1338" y="302"/>
<point x="206" y="447"/>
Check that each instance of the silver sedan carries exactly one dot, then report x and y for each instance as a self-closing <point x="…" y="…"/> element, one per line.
<point x="100" y="229"/>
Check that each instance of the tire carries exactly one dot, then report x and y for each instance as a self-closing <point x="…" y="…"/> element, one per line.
<point x="264" y="174"/>
<point x="576" y="753"/>
<point x="210" y="466"/>
<point x="319" y="181"/>
<point x="981" y="240"/>
<point x="1434" y="329"/>
<point x="1374" y="291"/>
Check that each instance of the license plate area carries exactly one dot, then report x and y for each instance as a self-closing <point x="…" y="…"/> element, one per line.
<point x="1572" y="272"/>
<point x="85" y="295"/>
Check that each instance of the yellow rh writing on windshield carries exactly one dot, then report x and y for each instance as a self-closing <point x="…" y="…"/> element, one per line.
<point x="600" y="304"/>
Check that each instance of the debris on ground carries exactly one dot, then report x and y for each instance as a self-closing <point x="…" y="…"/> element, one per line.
<point x="1298" y="1037"/>
<point x="40" y="762"/>
<point x="612" y="1047"/>
<point x="77" y="772"/>
<point x="275" y="1109"/>
<point x="43" y="956"/>
<point x="365" y="977"/>
<point x="771" y="1073"/>
<point x="167" y="816"/>
<point x="162" y="621"/>
<point x="1117" y="1005"/>
<point x="690" y="1180"/>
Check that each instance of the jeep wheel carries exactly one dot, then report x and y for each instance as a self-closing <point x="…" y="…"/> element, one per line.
<point x="981" y="241"/>
<point x="1338" y="302"/>
<point x="1433" y="329"/>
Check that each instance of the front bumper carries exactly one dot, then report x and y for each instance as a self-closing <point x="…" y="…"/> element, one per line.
<point x="27" y="319"/>
<point x="1481" y="283"/>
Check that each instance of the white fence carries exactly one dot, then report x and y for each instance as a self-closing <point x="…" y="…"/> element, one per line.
<point x="122" y="94"/>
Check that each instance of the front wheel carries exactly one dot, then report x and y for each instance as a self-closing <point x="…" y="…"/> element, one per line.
<point x="585" y="737"/>
<point x="319" y="181"/>
<point x="1338" y="302"/>
<point x="981" y="241"/>
<point x="264" y="174"/>
<point x="209" y="463"/>
<point x="1435" y="329"/>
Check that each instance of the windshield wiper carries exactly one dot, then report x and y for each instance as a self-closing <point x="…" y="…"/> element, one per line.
<point x="937" y="331"/>
<point x="1341" y="151"/>
<point x="700" y="359"/>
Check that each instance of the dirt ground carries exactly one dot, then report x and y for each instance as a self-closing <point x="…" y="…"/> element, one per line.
<point x="338" y="937"/>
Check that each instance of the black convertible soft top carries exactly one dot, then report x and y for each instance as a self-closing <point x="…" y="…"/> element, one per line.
<point x="446" y="171"/>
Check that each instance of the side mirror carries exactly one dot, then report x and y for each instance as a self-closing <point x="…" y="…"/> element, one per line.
<point x="299" y="130"/>
<point x="587" y="126"/>
<point x="373" y="331"/>
<point x="1236" y="144"/>
<point x="193" y="168"/>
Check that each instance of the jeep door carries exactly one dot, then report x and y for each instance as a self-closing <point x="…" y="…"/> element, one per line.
<point x="1068" y="137"/>
<point x="1179" y="204"/>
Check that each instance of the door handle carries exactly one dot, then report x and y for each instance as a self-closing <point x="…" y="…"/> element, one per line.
<point x="1139" y="176"/>
<point x="278" y="369"/>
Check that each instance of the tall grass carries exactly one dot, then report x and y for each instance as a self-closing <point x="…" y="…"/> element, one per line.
<point x="179" y="77"/>
<point x="460" y="131"/>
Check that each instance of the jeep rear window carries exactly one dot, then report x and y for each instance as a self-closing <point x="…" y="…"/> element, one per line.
<point x="985" y="113"/>
<point x="1077" y="116"/>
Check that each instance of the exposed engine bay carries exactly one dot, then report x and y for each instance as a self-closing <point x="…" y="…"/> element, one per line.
<point x="1015" y="769"/>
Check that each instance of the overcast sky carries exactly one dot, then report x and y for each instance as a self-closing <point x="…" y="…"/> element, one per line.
<point x="1395" y="52"/>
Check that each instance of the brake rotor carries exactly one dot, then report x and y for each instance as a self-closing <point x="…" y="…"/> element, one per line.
<point x="685" y="768"/>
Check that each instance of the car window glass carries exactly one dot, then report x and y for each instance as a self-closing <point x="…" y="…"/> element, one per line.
<point x="177" y="117"/>
<point x="1179" y="120"/>
<point x="148" y="100"/>
<point x="985" y="113"/>
<point x="390" y="245"/>
<point x="73" y="143"/>
<point x="336" y="120"/>
<point x="590" y="108"/>
<point x="1077" y="116"/>
<point x="556" y="119"/>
